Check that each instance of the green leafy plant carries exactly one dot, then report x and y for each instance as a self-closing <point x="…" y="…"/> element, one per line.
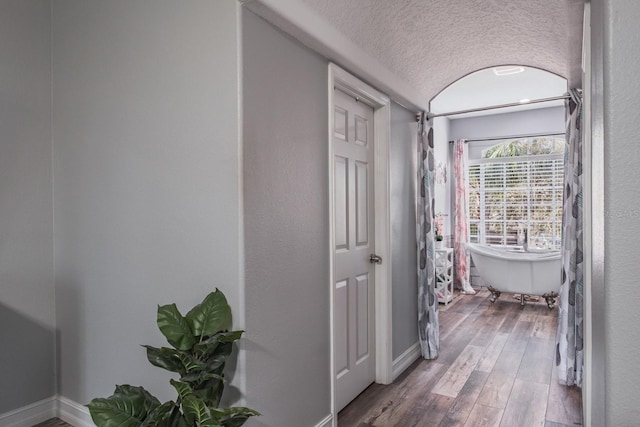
<point x="201" y="345"/>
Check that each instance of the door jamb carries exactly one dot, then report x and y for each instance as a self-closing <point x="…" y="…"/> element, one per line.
<point x="339" y="78"/>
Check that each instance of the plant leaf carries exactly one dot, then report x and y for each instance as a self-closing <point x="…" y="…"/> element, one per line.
<point x="197" y="378"/>
<point x="127" y="407"/>
<point x="210" y="316"/>
<point x="210" y="391"/>
<point x="233" y="417"/>
<point x="208" y="347"/>
<point x="139" y="396"/>
<point x="165" y="358"/>
<point x="113" y="412"/>
<point x="190" y="363"/>
<point x="183" y="388"/>
<point x="196" y="411"/>
<point x="175" y="327"/>
<point x="218" y="359"/>
<point x="161" y="416"/>
<point x="225" y="349"/>
<point x="179" y="421"/>
<point x="229" y="336"/>
<point x="177" y="418"/>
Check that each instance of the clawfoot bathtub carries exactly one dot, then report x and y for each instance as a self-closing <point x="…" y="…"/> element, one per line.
<point x="518" y="272"/>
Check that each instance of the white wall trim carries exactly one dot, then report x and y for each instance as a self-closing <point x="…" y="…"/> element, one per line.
<point x="405" y="360"/>
<point x="383" y="297"/>
<point x="595" y="353"/>
<point x="588" y="241"/>
<point x="31" y="414"/>
<point x="383" y="278"/>
<point x="74" y="413"/>
<point x="240" y="318"/>
<point x="332" y="244"/>
<point x="326" y="422"/>
<point x="299" y="19"/>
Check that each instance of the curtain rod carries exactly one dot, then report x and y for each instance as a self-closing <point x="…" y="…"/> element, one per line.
<point x="498" y="138"/>
<point x="493" y="107"/>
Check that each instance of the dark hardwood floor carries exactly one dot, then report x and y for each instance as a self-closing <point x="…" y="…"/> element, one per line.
<point x="495" y="369"/>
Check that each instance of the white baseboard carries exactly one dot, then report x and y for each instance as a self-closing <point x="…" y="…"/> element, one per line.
<point x="327" y="422"/>
<point x="31" y="414"/>
<point x="405" y="360"/>
<point x="78" y="415"/>
<point x="71" y="412"/>
<point x="74" y="413"/>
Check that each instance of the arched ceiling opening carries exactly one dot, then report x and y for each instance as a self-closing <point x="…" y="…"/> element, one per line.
<point x="500" y="85"/>
<point x="428" y="44"/>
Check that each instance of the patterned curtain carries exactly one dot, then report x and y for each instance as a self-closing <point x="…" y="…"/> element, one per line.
<point x="428" y="328"/>
<point x="460" y="215"/>
<point x="569" y="347"/>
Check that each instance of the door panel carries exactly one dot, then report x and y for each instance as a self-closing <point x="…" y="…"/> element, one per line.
<point x="341" y="320"/>
<point x="362" y="206"/>
<point x="341" y="204"/>
<point x="361" y="130"/>
<point x="362" y="329"/>
<point x="340" y="123"/>
<point x="354" y="274"/>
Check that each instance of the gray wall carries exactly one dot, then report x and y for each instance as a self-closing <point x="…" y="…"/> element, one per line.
<point x="286" y="227"/>
<point x="26" y="220"/>
<point x="541" y="120"/>
<point x="403" y="230"/>
<point x="622" y="210"/>
<point x="146" y="168"/>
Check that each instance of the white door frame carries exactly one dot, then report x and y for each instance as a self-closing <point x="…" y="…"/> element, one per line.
<point x="339" y="78"/>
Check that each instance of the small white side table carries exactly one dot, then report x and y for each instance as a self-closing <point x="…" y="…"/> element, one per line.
<point x="444" y="275"/>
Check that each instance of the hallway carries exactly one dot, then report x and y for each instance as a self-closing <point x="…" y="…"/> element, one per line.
<point x="495" y="369"/>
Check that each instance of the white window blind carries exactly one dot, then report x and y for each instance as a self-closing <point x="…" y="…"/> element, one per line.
<point x="510" y="194"/>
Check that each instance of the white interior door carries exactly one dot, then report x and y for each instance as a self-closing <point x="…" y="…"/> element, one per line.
<point x="354" y="321"/>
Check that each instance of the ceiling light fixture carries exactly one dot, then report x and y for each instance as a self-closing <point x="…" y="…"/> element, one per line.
<point x="505" y="71"/>
<point x="524" y="100"/>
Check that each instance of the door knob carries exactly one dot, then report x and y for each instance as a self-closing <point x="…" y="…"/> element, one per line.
<point x="375" y="259"/>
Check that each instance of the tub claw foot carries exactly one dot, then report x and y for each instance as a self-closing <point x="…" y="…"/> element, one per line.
<point x="495" y="294"/>
<point x="551" y="299"/>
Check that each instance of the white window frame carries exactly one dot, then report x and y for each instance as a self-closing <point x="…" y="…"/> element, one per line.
<point x="515" y="159"/>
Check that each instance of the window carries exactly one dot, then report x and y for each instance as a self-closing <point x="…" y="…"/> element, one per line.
<point x="514" y="186"/>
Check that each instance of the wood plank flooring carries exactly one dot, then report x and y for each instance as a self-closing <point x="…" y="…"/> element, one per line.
<point x="495" y="369"/>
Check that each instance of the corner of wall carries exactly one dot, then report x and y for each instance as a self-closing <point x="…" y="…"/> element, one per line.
<point x="402" y="362"/>
<point x="73" y="413"/>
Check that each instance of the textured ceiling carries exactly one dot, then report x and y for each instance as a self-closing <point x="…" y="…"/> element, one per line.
<point x="431" y="43"/>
